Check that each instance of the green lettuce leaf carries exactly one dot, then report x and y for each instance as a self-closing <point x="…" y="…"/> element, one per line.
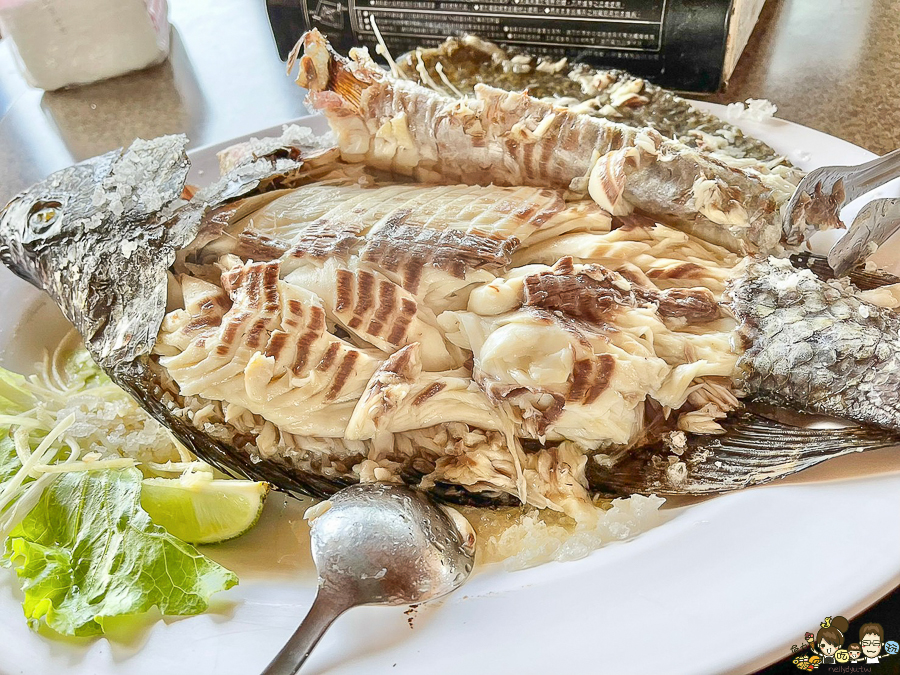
<point x="87" y="551"/>
<point x="9" y="460"/>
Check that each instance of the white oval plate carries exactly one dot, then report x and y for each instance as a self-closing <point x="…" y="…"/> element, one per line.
<point x="726" y="585"/>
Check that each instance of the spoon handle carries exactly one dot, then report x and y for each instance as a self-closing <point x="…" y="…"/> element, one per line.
<point x="327" y="607"/>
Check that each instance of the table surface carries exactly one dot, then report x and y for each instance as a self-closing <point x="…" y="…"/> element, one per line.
<point x="833" y="65"/>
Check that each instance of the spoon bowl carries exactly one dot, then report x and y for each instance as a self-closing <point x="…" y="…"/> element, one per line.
<point x="378" y="544"/>
<point x="389" y="545"/>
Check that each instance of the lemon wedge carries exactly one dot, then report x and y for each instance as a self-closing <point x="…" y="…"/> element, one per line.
<point x="199" y="509"/>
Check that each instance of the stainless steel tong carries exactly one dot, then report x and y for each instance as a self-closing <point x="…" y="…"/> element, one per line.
<point x="877" y="221"/>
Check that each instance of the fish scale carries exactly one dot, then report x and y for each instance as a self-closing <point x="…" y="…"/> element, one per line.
<point x="845" y="361"/>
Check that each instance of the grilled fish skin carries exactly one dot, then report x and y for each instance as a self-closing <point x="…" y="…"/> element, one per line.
<point x="511" y="138"/>
<point x="466" y="61"/>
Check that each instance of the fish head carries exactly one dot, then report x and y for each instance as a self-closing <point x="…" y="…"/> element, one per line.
<point x="335" y="82"/>
<point x="45" y="214"/>
<point x="99" y="237"/>
<point x="99" y="194"/>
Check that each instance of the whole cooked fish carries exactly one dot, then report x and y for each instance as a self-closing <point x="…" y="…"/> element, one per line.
<point x="510" y="138"/>
<point x="311" y="321"/>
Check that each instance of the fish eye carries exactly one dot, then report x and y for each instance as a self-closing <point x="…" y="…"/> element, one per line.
<point x="43" y="214"/>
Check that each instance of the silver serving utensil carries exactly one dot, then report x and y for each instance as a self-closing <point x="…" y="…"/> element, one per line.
<point x="876" y="222"/>
<point x="378" y="544"/>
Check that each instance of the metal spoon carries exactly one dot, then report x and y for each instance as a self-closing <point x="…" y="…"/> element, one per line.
<point x="378" y="544"/>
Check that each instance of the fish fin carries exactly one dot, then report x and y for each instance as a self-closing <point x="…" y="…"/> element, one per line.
<point x="323" y="69"/>
<point x="752" y="451"/>
<point x="858" y="276"/>
<point x="347" y="87"/>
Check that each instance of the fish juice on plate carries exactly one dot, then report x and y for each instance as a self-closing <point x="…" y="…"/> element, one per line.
<point x="486" y="297"/>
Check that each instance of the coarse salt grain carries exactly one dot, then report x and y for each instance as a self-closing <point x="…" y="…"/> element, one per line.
<point x="756" y="110"/>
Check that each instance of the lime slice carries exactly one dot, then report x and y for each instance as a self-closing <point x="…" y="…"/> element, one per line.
<point x="201" y="510"/>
